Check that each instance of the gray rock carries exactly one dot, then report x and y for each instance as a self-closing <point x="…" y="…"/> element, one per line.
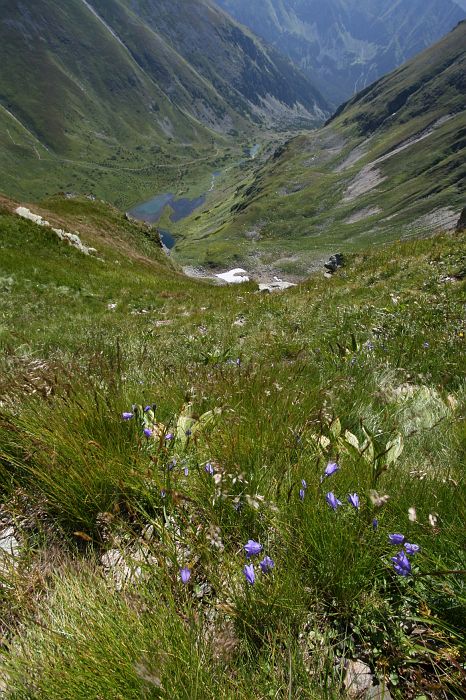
<point x="334" y="262"/>
<point x="359" y="683"/>
<point x="276" y="286"/>
<point x="358" y="679"/>
<point x="378" y="692"/>
<point x="461" y="225"/>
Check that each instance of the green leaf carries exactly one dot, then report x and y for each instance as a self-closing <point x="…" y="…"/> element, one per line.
<point x="394" y="448"/>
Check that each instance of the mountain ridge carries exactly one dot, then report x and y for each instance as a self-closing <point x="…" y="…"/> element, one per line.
<point x="345" y="45"/>
<point x="101" y="89"/>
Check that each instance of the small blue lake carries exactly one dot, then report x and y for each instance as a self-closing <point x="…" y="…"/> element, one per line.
<point x="151" y="211"/>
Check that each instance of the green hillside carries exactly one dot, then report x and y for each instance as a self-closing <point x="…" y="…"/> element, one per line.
<point x="256" y="396"/>
<point x="391" y="163"/>
<point x="100" y="97"/>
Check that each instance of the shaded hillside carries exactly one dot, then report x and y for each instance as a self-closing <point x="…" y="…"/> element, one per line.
<point x="343" y="45"/>
<point x="391" y="163"/>
<point x="95" y="95"/>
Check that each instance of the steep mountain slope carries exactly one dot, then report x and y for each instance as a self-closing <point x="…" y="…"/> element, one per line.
<point x="107" y="86"/>
<point x="255" y="81"/>
<point x="344" y="45"/>
<point x="391" y="163"/>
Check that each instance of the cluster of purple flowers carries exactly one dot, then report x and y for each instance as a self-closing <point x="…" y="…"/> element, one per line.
<point x="332" y="500"/>
<point x="401" y="563"/>
<point x="252" y="549"/>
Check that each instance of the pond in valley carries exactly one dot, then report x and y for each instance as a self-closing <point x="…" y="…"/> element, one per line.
<point x="151" y="211"/>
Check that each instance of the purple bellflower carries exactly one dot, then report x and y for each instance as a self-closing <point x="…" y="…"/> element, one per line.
<point x="411" y="548"/>
<point x="252" y="548"/>
<point x="396" y="538"/>
<point x="353" y="500"/>
<point x="185" y="574"/>
<point x="209" y="469"/>
<point x="302" y="493"/>
<point x="249" y="573"/>
<point x="401" y="564"/>
<point x="267" y="564"/>
<point x="148" y="432"/>
<point x="332" y="500"/>
<point x="375" y="524"/>
<point x="127" y="415"/>
<point x="330" y="469"/>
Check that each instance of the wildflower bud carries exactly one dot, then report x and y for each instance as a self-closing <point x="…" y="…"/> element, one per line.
<point x="267" y="564"/>
<point x="249" y="574"/>
<point x="185" y="574"/>
<point x="332" y="500"/>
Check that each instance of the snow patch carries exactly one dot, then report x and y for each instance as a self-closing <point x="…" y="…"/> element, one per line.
<point x="235" y="276"/>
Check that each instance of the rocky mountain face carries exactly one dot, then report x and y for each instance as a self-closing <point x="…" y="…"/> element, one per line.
<point x="85" y="75"/>
<point x="344" y="45"/>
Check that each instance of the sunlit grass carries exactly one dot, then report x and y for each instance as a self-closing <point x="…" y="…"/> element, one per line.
<point x="364" y="370"/>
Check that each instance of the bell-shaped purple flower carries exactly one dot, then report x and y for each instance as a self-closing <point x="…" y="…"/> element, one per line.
<point x="302" y="493"/>
<point x="185" y="574"/>
<point x="330" y="469"/>
<point x="353" y="500"/>
<point x="169" y="436"/>
<point x="332" y="500"/>
<point x="396" y="538"/>
<point x="148" y="432"/>
<point x="127" y="415"/>
<point x="401" y="564"/>
<point x="267" y="564"/>
<point x="375" y="524"/>
<point x="147" y="408"/>
<point x="209" y="468"/>
<point x="249" y="573"/>
<point x="304" y="484"/>
<point x="411" y="548"/>
<point x="252" y="548"/>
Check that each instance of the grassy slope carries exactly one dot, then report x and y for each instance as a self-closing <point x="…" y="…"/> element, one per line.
<point x="376" y="350"/>
<point x="296" y="200"/>
<point x="112" y="130"/>
<point x="113" y="106"/>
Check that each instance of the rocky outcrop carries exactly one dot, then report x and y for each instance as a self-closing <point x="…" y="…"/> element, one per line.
<point x="334" y="262"/>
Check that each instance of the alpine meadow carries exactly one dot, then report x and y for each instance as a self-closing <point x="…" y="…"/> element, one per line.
<point x="232" y="328"/>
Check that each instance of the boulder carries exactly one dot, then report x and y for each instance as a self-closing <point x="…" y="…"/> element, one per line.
<point x="334" y="262"/>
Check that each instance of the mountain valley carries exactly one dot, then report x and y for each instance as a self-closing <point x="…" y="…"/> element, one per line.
<point x="232" y="388"/>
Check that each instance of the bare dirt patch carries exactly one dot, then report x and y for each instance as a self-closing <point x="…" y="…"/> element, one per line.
<point x="362" y="214"/>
